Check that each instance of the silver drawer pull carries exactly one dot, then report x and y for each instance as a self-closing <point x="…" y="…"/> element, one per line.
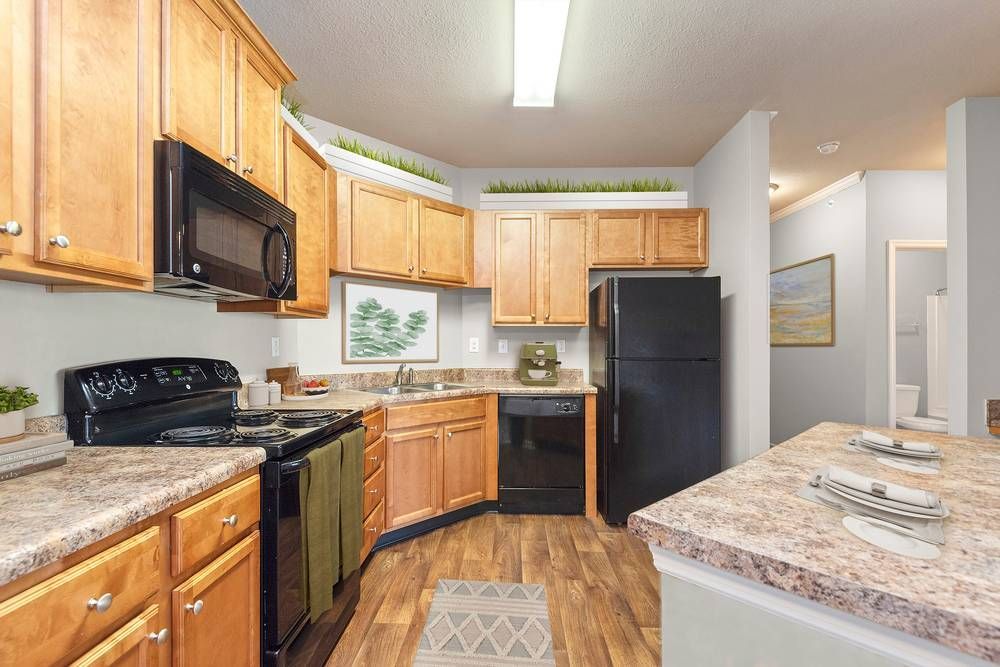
<point x="373" y="459"/>
<point x="101" y="604"/>
<point x="248" y="169"/>
<point x="232" y="158"/>
<point x="196" y="607"/>
<point x="12" y="227"/>
<point x="159" y="638"/>
<point x="231" y="520"/>
<point x="60" y="240"/>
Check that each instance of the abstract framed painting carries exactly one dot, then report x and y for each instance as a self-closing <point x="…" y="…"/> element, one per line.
<point x="803" y="304"/>
<point x="389" y="324"/>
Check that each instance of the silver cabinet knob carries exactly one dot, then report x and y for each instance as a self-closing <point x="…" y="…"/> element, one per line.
<point x="436" y="436"/>
<point x="60" y="240"/>
<point x="159" y="638"/>
<point x="12" y="227"/>
<point x="642" y="257"/>
<point x="196" y="607"/>
<point x="373" y="459"/>
<point x="231" y="520"/>
<point x="373" y="491"/>
<point x="101" y="604"/>
<point x="546" y="316"/>
<point x="423" y="270"/>
<point x="248" y="169"/>
<point x="450" y="434"/>
<point x="372" y="529"/>
<point x="231" y="158"/>
<point x="410" y="268"/>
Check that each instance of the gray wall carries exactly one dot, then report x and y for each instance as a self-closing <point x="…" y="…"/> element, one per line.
<point x="919" y="273"/>
<point x="814" y="384"/>
<point x="973" y="144"/>
<point x="902" y="205"/>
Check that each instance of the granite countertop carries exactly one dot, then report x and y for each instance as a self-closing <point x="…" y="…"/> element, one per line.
<point x="748" y="520"/>
<point x="100" y="491"/>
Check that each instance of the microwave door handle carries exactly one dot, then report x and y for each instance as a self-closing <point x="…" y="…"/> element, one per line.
<point x="294" y="466"/>
<point x="289" y="261"/>
<point x="279" y="288"/>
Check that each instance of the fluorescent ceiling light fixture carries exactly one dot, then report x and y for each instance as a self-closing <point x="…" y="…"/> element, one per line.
<point x="539" y="28"/>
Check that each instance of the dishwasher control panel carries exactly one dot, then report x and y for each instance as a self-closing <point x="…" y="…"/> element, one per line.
<point x="567" y="407"/>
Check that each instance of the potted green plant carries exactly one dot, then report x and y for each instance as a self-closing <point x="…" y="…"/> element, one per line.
<point x="12" y="405"/>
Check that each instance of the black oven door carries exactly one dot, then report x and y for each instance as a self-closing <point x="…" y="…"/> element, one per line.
<point x="231" y="242"/>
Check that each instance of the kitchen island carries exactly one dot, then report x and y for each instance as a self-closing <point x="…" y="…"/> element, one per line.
<point x="753" y="574"/>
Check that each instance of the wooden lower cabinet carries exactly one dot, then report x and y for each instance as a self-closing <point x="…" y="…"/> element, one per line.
<point x="413" y="481"/>
<point x="138" y="643"/>
<point x="463" y="464"/>
<point x="216" y="613"/>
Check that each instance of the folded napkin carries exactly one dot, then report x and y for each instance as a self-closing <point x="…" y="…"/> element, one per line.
<point x="880" y="489"/>
<point x="905" y="445"/>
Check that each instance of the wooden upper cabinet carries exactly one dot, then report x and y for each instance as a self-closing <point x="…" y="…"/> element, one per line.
<point x="514" y="270"/>
<point x="306" y="183"/>
<point x="260" y="112"/>
<point x="563" y="265"/>
<point x="199" y="77"/>
<point x="381" y="229"/>
<point x="216" y="613"/>
<point x="444" y="240"/>
<point x="412" y="486"/>
<point x="679" y="237"/>
<point x="132" y="645"/>
<point x="94" y="133"/>
<point x="8" y="226"/>
<point x="464" y="464"/>
<point x="617" y="238"/>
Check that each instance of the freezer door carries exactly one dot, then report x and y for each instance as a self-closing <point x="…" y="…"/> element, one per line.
<point x="665" y="318"/>
<point x="662" y="432"/>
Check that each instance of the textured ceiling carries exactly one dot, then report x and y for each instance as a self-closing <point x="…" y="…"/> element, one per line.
<point x="648" y="83"/>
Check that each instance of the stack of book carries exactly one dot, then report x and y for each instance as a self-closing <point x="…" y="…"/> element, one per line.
<point x="31" y="453"/>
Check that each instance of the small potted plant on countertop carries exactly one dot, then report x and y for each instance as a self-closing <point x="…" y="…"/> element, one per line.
<point x="12" y="405"/>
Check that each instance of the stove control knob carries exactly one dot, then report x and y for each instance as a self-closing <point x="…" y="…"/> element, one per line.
<point x="102" y="385"/>
<point x="125" y="381"/>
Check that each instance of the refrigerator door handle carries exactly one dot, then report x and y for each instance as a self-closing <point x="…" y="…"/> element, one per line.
<point x="614" y="409"/>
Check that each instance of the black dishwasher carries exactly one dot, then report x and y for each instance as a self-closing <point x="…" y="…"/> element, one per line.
<point x="541" y="467"/>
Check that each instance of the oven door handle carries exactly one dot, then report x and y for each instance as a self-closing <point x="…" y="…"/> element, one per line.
<point x="294" y="466"/>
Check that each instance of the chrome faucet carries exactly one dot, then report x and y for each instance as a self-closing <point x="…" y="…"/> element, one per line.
<point x="399" y="374"/>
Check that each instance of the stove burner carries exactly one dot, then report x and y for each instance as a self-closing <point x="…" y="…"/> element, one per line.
<point x="302" y="418"/>
<point x="266" y="435"/>
<point x="255" y="417"/>
<point x="202" y="435"/>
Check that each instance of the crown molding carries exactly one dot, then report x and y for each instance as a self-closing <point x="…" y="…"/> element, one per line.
<point x="819" y="195"/>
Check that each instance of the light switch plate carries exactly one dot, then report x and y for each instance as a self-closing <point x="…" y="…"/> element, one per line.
<point x="502" y="345"/>
<point x="560" y="345"/>
<point x="275" y="346"/>
<point x="473" y="344"/>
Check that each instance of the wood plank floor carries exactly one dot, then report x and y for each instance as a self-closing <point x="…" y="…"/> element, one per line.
<point x="602" y="589"/>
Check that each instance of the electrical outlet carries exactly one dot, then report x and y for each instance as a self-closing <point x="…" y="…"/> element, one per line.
<point x="502" y="345"/>
<point x="275" y="346"/>
<point x="561" y="345"/>
<point x="473" y="344"/>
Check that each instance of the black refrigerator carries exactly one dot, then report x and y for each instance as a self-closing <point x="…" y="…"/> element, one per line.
<point x="655" y="360"/>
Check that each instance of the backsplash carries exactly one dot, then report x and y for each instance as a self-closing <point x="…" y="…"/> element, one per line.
<point x="455" y="375"/>
<point x="993" y="415"/>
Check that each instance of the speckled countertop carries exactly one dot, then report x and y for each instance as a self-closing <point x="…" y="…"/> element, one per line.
<point x="100" y="491"/>
<point x="748" y="520"/>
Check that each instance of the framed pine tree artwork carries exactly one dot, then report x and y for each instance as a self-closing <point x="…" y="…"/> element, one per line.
<point x="389" y="324"/>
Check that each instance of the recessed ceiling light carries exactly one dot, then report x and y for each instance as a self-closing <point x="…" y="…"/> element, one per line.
<point x="828" y="147"/>
<point x="539" y="28"/>
<point x="774" y="187"/>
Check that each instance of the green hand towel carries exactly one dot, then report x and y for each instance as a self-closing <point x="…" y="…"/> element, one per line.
<point x="319" y="495"/>
<point x="351" y="489"/>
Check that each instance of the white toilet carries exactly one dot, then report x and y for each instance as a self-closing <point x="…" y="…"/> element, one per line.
<point x="907" y="399"/>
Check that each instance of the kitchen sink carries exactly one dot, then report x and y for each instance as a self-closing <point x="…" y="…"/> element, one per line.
<point x="437" y="386"/>
<point x="396" y="390"/>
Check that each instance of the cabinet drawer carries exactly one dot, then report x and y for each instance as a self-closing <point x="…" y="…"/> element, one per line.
<point x="374" y="491"/>
<point x="372" y="529"/>
<point x="374" y="457"/>
<point x="62" y="615"/>
<point x="207" y="527"/>
<point x="374" y="426"/>
<point x="135" y="643"/>
<point x="418" y="414"/>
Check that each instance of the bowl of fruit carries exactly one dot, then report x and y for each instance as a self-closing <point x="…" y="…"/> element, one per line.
<point x="315" y="387"/>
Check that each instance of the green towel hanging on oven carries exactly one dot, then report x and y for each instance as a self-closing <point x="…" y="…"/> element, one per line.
<point x="319" y="496"/>
<point x="351" y="485"/>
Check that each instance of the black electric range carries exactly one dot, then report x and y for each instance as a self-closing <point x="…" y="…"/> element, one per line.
<point x="191" y="402"/>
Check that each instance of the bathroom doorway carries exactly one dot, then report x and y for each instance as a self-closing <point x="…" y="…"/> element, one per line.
<point x="917" y="299"/>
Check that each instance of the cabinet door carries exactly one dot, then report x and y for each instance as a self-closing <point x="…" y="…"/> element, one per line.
<point x="199" y="78"/>
<point x="216" y="613"/>
<point x="381" y="229"/>
<point x="413" y="489"/>
<point x="260" y="127"/>
<point x="135" y="644"/>
<point x="617" y="238"/>
<point x="680" y="237"/>
<point x="444" y="242"/>
<point x="95" y="135"/>
<point x="563" y="248"/>
<point x="6" y="128"/>
<point x="514" y="270"/>
<point x="464" y="464"/>
<point x="306" y="194"/>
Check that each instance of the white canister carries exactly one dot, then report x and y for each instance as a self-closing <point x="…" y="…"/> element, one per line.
<point x="274" y="392"/>
<point x="257" y="394"/>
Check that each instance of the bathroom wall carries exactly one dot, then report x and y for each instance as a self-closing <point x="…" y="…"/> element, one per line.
<point x="919" y="273"/>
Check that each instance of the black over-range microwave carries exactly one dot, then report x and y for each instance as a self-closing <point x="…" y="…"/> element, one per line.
<point x="217" y="236"/>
